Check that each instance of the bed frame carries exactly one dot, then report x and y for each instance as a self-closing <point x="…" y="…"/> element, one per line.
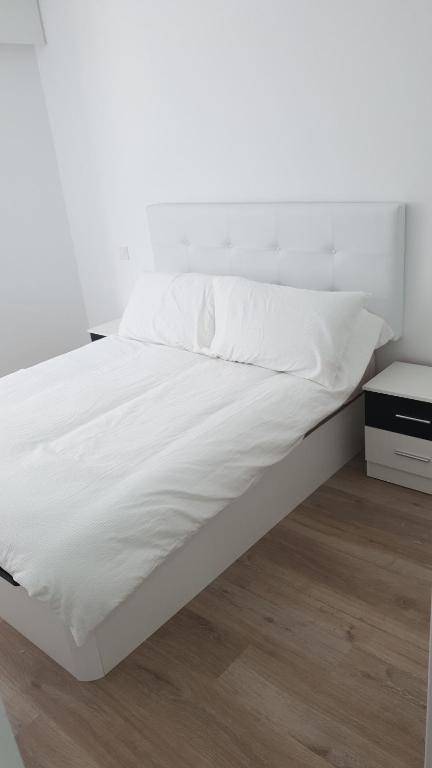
<point x="351" y="246"/>
<point x="428" y="739"/>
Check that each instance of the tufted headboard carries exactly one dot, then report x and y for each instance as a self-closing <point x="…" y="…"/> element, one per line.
<point x="325" y="246"/>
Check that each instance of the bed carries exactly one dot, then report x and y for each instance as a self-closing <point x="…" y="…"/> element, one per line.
<point x="227" y="507"/>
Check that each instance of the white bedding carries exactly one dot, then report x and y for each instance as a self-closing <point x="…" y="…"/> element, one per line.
<point x="112" y="456"/>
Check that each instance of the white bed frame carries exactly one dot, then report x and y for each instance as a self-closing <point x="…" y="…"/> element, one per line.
<point x="316" y="245"/>
<point x="428" y="739"/>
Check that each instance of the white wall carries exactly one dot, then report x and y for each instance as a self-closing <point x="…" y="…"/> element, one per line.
<point x="20" y="22"/>
<point x="154" y="100"/>
<point x="41" y="307"/>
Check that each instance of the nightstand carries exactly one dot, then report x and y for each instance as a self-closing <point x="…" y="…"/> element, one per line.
<point x="105" y="329"/>
<point x="398" y="432"/>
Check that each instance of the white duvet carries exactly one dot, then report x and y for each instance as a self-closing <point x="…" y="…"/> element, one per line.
<point x="112" y="456"/>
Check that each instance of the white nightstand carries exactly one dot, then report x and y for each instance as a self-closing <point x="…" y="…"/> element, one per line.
<point x="105" y="329"/>
<point x="398" y="432"/>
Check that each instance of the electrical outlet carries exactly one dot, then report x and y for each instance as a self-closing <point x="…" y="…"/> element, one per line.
<point x="124" y="253"/>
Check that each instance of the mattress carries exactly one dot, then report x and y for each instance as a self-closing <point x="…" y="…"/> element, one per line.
<point x="114" y="455"/>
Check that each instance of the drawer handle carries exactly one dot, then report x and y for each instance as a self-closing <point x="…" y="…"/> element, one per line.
<point x="407" y="455"/>
<point x="413" y="418"/>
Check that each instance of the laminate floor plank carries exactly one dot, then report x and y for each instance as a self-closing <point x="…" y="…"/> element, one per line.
<point x="310" y="651"/>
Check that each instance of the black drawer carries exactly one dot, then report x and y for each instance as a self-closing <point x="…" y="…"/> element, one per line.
<point x="399" y="414"/>
<point x="7" y="577"/>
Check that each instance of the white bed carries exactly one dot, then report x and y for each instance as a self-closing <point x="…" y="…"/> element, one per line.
<point x="204" y="445"/>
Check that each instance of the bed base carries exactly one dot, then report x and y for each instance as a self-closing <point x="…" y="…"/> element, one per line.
<point x="190" y="569"/>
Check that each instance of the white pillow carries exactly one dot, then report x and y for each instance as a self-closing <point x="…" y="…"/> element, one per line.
<point x="172" y="309"/>
<point x="286" y="329"/>
<point x="370" y="332"/>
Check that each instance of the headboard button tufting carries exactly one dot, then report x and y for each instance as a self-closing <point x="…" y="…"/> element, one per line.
<point x="354" y="246"/>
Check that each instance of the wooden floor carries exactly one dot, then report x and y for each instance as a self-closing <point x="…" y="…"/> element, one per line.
<point x="309" y="652"/>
